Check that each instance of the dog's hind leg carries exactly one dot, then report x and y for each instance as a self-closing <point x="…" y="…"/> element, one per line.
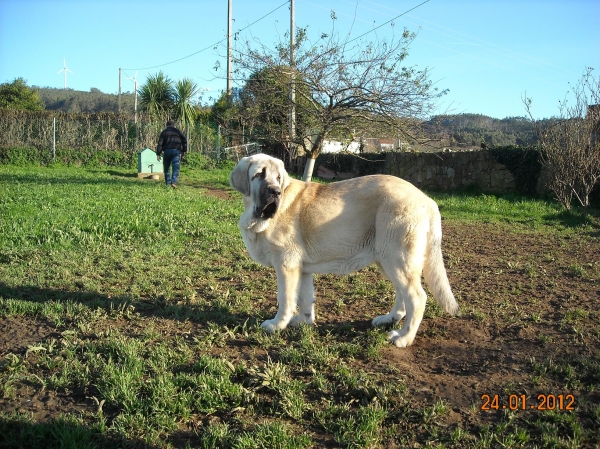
<point x="404" y="269"/>
<point x="306" y="301"/>
<point x="410" y="297"/>
<point x="398" y="311"/>
<point x="288" y="284"/>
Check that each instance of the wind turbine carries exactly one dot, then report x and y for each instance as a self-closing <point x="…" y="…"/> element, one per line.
<point x="65" y="69"/>
<point x="134" y="95"/>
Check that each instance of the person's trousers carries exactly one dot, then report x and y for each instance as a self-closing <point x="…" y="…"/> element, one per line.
<point x="171" y="159"/>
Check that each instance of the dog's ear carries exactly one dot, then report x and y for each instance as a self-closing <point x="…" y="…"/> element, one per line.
<point x="239" y="179"/>
<point x="285" y="178"/>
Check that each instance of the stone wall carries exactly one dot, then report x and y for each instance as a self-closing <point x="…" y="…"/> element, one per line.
<point x="520" y="171"/>
<point x="451" y="170"/>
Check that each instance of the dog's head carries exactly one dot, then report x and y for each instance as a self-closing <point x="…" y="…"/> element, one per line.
<point x="262" y="179"/>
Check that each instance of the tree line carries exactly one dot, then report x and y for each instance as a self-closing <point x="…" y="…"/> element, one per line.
<point x="454" y="130"/>
<point x="335" y="87"/>
<point x="73" y="101"/>
<point x="475" y="130"/>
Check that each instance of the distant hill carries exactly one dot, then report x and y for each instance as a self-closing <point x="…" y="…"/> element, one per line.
<point x="471" y="130"/>
<point x="69" y="100"/>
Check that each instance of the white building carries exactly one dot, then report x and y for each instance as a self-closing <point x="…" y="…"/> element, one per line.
<point x="334" y="146"/>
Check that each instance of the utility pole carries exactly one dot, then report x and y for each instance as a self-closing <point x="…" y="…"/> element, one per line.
<point x="292" y="81"/>
<point x="229" y="53"/>
<point x="119" y="102"/>
<point x="135" y="99"/>
<point x="134" y="79"/>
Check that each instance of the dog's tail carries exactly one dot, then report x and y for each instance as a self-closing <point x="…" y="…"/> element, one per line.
<point x="434" y="270"/>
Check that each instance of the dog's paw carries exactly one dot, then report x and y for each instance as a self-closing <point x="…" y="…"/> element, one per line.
<point x="382" y="320"/>
<point x="400" y="340"/>
<point x="271" y="326"/>
<point x="299" y="319"/>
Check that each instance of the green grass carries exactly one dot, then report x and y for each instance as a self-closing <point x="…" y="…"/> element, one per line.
<point x="518" y="210"/>
<point x="153" y="308"/>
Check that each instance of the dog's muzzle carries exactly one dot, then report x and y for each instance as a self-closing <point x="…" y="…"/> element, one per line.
<point x="270" y="197"/>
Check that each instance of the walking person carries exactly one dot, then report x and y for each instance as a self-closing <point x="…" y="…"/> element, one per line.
<point x="173" y="144"/>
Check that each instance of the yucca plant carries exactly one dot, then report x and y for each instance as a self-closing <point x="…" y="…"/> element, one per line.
<point x="157" y="95"/>
<point x="183" y="94"/>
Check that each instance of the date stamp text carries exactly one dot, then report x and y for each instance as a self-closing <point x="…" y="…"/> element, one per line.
<point x="559" y="402"/>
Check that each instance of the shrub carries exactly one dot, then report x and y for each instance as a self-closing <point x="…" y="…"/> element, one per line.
<point x="86" y="157"/>
<point x="22" y="156"/>
<point x="524" y="164"/>
<point x="198" y="160"/>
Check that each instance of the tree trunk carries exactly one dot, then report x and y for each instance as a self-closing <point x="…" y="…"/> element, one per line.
<point x="311" y="158"/>
<point x="308" y="169"/>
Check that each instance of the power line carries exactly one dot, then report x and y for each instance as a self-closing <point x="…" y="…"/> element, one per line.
<point x="216" y="43"/>
<point x="383" y="24"/>
<point x="529" y="60"/>
<point x="263" y="17"/>
<point x="389" y="21"/>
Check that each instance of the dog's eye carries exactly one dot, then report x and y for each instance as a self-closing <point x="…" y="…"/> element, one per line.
<point x="260" y="174"/>
<point x="278" y="178"/>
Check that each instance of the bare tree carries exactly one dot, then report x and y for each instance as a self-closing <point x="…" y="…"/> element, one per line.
<point x="570" y="147"/>
<point x="343" y="87"/>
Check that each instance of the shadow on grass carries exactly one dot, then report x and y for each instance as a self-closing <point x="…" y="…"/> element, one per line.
<point x="217" y="192"/>
<point x="217" y="189"/>
<point x="576" y="219"/>
<point x="20" y="431"/>
<point x="216" y="311"/>
<point x="479" y="208"/>
<point x="121" y="174"/>
<point x="34" y="178"/>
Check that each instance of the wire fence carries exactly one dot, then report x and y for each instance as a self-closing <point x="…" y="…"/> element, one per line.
<point x="108" y="132"/>
<point x="235" y="153"/>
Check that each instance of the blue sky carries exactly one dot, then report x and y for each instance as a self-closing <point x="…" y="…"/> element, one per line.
<point x="488" y="53"/>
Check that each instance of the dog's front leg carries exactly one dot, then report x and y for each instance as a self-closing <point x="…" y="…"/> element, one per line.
<point x="306" y="301"/>
<point x="288" y="283"/>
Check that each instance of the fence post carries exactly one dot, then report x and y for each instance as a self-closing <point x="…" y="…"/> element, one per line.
<point x="53" y="139"/>
<point x="219" y="144"/>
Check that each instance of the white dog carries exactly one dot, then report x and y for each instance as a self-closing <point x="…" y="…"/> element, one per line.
<point x="304" y="228"/>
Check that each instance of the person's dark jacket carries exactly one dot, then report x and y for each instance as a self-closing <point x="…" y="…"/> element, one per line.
<point x="171" y="139"/>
